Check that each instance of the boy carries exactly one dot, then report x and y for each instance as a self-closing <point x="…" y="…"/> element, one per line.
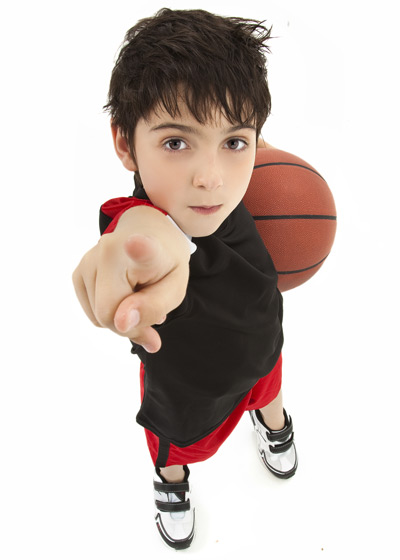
<point x="180" y="269"/>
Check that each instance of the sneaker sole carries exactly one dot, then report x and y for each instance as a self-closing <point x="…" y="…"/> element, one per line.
<point x="177" y="545"/>
<point x="278" y="474"/>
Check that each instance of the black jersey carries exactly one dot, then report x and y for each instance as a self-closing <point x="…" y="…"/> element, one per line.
<point x="224" y="337"/>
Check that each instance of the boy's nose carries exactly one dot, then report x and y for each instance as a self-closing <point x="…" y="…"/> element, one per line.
<point x="208" y="177"/>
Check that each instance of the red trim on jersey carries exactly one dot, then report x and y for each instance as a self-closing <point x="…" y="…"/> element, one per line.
<point x="115" y="207"/>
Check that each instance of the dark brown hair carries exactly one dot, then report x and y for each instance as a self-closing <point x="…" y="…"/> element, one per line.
<point x="213" y="61"/>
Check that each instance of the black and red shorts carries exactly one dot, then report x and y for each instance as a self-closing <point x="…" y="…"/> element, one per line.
<point x="263" y="392"/>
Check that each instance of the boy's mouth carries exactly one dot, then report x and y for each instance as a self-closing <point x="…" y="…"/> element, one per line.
<point x="206" y="209"/>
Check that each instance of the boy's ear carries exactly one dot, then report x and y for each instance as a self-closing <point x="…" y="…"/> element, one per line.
<point x="122" y="149"/>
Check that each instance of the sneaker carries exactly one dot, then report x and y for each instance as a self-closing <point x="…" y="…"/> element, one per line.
<point x="276" y="448"/>
<point x="174" y="512"/>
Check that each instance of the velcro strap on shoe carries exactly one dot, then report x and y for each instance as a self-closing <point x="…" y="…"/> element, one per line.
<point x="171" y="488"/>
<point x="282" y="447"/>
<point x="173" y="507"/>
<point x="282" y="434"/>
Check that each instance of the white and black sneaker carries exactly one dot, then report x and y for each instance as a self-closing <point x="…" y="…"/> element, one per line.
<point x="276" y="447"/>
<point x="175" y="515"/>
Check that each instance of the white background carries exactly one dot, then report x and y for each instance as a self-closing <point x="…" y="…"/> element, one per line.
<point x="75" y="474"/>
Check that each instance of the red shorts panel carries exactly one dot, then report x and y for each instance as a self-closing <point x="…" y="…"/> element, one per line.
<point x="263" y="392"/>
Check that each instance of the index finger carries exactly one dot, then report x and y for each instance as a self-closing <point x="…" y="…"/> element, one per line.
<point x="141" y="263"/>
<point x="150" y="304"/>
<point x="149" y="262"/>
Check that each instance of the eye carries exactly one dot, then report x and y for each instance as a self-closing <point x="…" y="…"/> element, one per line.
<point x="174" y="145"/>
<point x="236" y="144"/>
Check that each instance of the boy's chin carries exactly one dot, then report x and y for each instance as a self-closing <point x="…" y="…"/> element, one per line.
<point x="203" y="226"/>
<point x="203" y="231"/>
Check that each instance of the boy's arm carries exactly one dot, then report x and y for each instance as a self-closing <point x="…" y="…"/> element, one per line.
<point x="139" y="272"/>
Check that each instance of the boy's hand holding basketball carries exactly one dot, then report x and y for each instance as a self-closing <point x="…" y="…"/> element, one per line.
<point x="135" y="276"/>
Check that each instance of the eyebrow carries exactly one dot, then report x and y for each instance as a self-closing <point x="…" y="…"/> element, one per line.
<point x="191" y="130"/>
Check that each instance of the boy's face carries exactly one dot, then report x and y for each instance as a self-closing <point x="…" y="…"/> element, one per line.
<point x="197" y="173"/>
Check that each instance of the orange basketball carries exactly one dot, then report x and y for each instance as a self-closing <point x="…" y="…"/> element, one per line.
<point x="295" y="214"/>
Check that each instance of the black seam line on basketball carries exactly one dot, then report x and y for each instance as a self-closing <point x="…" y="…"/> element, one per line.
<point x="287" y="163"/>
<point x="301" y="269"/>
<point x="296" y="217"/>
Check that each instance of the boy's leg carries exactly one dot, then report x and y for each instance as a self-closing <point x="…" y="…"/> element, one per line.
<point x="273" y="413"/>
<point x="174" y="473"/>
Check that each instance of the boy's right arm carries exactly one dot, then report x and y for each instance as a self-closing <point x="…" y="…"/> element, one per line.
<point x="135" y="276"/>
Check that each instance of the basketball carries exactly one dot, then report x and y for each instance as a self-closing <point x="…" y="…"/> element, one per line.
<point x="294" y="212"/>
